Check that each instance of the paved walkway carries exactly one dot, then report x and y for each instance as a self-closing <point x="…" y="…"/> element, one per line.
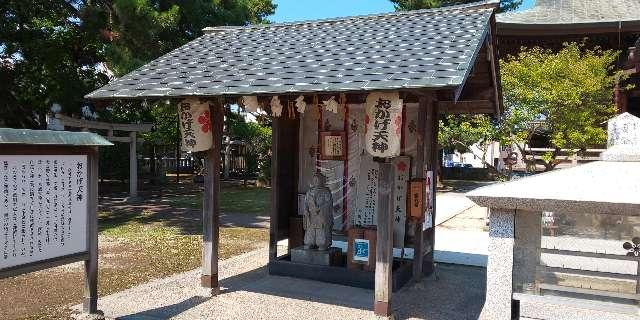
<point x="249" y="293"/>
<point x="450" y="204"/>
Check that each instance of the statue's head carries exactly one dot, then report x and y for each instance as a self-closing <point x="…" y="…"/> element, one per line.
<point x="318" y="180"/>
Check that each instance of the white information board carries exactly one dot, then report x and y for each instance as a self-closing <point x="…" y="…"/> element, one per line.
<point x="43" y="207"/>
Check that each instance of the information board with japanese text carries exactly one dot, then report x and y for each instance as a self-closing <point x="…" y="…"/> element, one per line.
<point x="43" y="207"/>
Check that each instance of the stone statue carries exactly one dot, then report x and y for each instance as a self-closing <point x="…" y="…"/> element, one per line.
<point x="318" y="215"/>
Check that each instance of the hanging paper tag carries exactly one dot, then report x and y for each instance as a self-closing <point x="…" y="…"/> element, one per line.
<point x="430" y="193"/>
<point x="383" y="121"/>
<point x="195" y="125"/>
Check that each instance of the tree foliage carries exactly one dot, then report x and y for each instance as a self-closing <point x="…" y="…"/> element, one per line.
<point x="565" y="96"/>
<point x="47" y="55"/>
<point x="459" y="132"/>
<point x="258" y="143"/>
<point x="58" y="50"/>
<point x="404" y="5"/>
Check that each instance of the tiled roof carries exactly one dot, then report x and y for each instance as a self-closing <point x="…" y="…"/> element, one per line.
<point x="49" y="137"/>
<point x="415" y="49"/>
<point x="574" y="11"/>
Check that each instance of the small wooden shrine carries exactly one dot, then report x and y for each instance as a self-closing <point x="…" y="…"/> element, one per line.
<point x="354" y="99"/>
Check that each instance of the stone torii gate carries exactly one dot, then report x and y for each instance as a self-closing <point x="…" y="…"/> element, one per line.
<point x="61" y="122"/>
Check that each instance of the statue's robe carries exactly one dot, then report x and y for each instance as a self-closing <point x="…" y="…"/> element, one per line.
<point x="318" y="217"/>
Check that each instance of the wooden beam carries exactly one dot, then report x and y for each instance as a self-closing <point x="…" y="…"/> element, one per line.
<point x="433" y="164"/>
<point x="123" y="139"/>
<point x="133" y="166"/>
<point x="466" y="107"/>
<point x="80" y="123"/>
<point x="211" y="203"/>
<point x="275" y="202"/>
<point x="491" y="45"/>
<point x="423" y="110"/>
<point x="90" y="301"/>
<point x="384" y="242"/>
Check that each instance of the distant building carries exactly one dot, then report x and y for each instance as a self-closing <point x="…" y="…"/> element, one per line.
<point x="609" y="24"/>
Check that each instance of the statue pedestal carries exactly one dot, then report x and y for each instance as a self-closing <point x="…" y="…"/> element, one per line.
<point x="329" y="257"/>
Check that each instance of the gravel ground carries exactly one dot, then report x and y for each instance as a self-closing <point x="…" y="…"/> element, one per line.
<point x="249" y="293"/>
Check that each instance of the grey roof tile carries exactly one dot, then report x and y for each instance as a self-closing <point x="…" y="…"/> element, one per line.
<point x="416" y="49"/>
<point x="574" y="11"/>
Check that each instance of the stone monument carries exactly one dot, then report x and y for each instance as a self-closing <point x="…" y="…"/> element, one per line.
<point x="571" y="272"/>
<point x="317" y="223"/>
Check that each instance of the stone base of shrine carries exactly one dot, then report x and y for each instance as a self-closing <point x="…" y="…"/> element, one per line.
<point x="402" y="272"/>
<point x="330" y="257"/>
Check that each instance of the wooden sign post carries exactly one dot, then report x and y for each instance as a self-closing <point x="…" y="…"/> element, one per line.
<point x="49" y="202"/>
<point x="384" y="245"/>
<point x="211" y="203"/>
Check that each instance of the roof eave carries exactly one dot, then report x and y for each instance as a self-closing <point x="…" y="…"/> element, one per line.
<point x="562" y="205"/>
<point x="517" y="28"/>
<point x="409" y="89"/>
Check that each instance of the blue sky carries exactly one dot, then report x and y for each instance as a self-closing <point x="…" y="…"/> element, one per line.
<point x="296" y="10"/>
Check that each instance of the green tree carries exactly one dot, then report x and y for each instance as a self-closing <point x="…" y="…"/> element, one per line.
<point x="141" y="30"/>
<point x="47" y="55"/>
<point x="460" y="132"/>
<point x="565" y="96"/>
<point x="404" y="5"/>
<point x="58" y="50"/>
<point x="258" y="144"/>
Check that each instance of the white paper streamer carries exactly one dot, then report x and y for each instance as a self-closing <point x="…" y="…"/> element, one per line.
<point x="300" y="104"/>
<point x="276" y="106"/>
<point x="250" y="103"/>
<point x="331" y="104"/>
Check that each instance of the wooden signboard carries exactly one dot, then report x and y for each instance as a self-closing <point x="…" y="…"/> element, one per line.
<point x="333" y="145"/>
<point x="48" y="203"/>
<point x="402" y="168"/>
<point x="416" y="201"/>
<point x="367" y="193"/>
<point x="43" y="208"/>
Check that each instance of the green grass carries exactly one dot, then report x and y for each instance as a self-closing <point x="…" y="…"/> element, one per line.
<point x="251" y="200"/>
<point x="137" y="245"/>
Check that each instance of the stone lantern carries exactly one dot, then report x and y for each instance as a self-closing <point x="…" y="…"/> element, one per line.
<point x="566" y="244"/>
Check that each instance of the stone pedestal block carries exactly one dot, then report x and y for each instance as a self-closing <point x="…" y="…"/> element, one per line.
<point x="329" y="257"/>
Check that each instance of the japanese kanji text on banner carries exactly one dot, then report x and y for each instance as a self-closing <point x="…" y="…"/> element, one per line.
<point x="383" y="120"/>
<point x="195" y="125"/>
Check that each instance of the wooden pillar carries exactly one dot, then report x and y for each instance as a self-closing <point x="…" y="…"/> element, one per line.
<point x="620" y="98"/>
<point x="90" y="301"/>
<point x="432" y="161"/>
<point x="384" y="244"/>
<point x="211" y="203"/>
<point x="426" y="104"/>
<point x="133" y="166"/>
<point x="275" y="202"/>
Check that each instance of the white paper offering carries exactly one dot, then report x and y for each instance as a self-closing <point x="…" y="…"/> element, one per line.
<point x="43" y="207"/>
<point x="383" y="124"/>
<point x="195" y="125"/>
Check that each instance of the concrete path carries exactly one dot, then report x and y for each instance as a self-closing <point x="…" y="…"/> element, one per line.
<point x="450" y="204"/>
<point x="461" y="247"/>
<point x="249" y="293"/>
<point x="461" y="232"/>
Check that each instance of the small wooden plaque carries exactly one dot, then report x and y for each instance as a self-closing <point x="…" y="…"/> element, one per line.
<point x="333" y="145"/>
<point x="416" y="199"/>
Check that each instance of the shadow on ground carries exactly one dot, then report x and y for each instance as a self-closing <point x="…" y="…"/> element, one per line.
<point x="455" y="292"/>
<point x="171" y="207"/>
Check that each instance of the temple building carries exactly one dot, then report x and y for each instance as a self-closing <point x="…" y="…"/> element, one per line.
<point x="608" y="24"/>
